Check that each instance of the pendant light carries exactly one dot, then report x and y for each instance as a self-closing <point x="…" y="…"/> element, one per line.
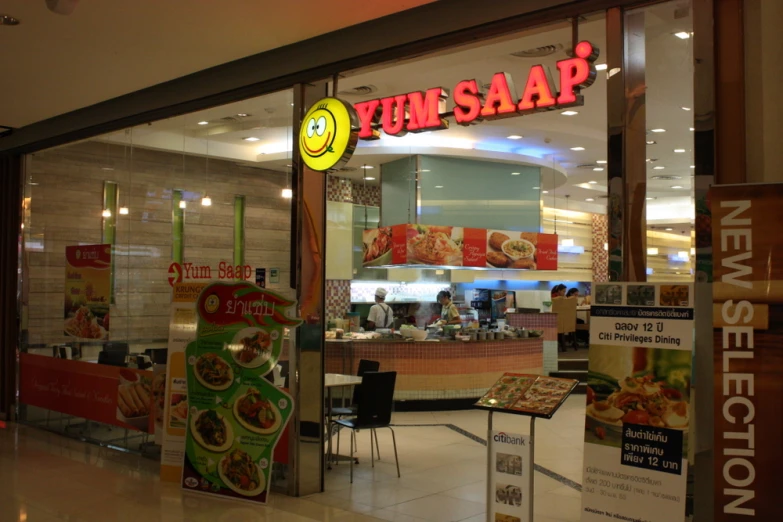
<point x="206" y="201"/>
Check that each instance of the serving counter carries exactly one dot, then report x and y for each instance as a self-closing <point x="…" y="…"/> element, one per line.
<point x="438" y="370"/>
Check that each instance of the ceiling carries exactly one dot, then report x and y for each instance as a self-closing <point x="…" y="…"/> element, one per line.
<point x="547" y="138"/>
<point x="109" y="48"/>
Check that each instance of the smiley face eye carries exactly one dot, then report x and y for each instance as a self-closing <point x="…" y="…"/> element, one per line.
<point x="311" y="127"/>
<point x="320" y="127"/>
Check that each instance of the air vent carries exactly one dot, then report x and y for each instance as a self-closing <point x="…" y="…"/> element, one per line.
<point x="361" y="90"/>
<point x="667" y="178"/>
<point x="587" y="166"/>
<point x="539" y="52"/>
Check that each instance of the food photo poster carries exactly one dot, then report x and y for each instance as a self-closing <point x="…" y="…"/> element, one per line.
<point x="638" y="413"/>
<point x="235" y="416"/>
<point x="87" y="291"/>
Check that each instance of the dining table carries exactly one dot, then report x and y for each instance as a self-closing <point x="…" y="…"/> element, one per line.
<point x="332" y="381"/>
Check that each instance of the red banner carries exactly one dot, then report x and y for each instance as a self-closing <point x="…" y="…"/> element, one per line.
<point x="108" y="394"/>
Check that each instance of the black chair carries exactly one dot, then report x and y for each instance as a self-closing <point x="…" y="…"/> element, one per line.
<point x="374" y="410"/>
<point x="112" y="358"/>
<point x="365" y="366"/>
<point x="157" y="355"/>
<point x="116" y="347"/>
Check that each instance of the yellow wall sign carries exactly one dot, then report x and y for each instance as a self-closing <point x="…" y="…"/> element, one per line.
<point x="328" y="135"/>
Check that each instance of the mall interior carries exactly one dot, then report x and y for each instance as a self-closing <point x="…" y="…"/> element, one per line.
<point x="116" y="217"/>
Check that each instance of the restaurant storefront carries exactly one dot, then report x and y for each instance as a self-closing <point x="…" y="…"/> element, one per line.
<point x="493" y="161"/>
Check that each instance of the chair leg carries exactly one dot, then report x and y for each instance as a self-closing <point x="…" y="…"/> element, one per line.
<point x="377" y="446"/>
<point x="372" y="450"/>
<point x="337" y="458"/>
<point x="353" y="436"/>
<point x="396" y="459"/>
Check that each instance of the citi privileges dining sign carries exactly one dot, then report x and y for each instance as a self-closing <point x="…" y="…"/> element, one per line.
<point x="332" y="127"/>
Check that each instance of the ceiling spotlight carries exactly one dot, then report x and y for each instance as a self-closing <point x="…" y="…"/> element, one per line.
<point x="601" y="162"/>
<point x="679" y="150"/>
<point x="367" y="167"/>
<point x="515" y="137"/>
<point x="242" y="115"/>
<point x="649" y="198"/>
<point x="668" y="229"/>
<point x="677" y="186"/>
<point x="369" y="178"/>
<point x="593" y="182"/>
<point x="545" y="192"/>
<point x="589" y="199"/>
<point x="124" y="211"/>
<point x="652" y="251"/>
<point x="106" y="213"/>
<point x="569" y="113"/>
<point x="683" y="35"/>
<point x="183" y="204"/>
<point x="658" y="130"/>
<point x="203" y="123"/>
<point x="577" y="148"/>
<point x="693" y="166"/>
<point x="650" y="142"/>
<point x="424" y="170"/>
<point x="516" y="173"/>
<point x="251" y="138"/>
<point x="598" y="169"/>
<point x="601" y="67"/>
<point x="685" y="108"/>
<point x="438" y="186"/>
<point x="659" y="167"/>
<point x="691" y="129"/>
<point x="536" y="188"/>
<point x="206" y="201"/>
<point x="288" y="193"/>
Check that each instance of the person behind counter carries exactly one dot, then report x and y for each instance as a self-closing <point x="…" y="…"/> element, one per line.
<point x="381" y="314"/>
<point x="449" y="313"/>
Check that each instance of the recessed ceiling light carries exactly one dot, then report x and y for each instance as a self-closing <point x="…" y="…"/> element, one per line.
<point x="652" y="251"/>
<point x="679" y="150"/>
<point x="292" y="104"/>
<point x="659" y="167"/>
<point x="367" y="167"/>
<point x="668" y="229"/>
<point x="206" y="201"/>
<point x="536" y="188"/>
<point x="515" y="137"/>
<point x="601" y="162"/>
<point x="203" y="123"/>
<point x="106" y="213"/>
<point x="691" y="129"/>
<point x="424" y="170"/>
<point x="685" y="108"/>
<point x="693" y="166"/>
<point x="516" y="173"/>
<point x="683" y="35"/>
<point x="601" y="67"/>
<point x="592" y="182"/>
<point x="438" y="186"/>
<point x="649" y="198"/>
<point x="545" y="192"/>
<point x="251" y="138"/>
<point x="369" y="178"/>
<point x="287" y="193"/>
<point x="650" y="142"/>
<point x="658" y="130"/>
<point x="242" y="115"/>
<point x="9" y="20"/>
<point x="183" y="204"/>
<point x="577" y="148"/>
<point x="677" y="186"/>
<point x="34" y="184"/>
<point x="124" y="211"/>
<point x="598" y="169"/>
<point x="569" y="113"/>
<point x="589" y="199"/>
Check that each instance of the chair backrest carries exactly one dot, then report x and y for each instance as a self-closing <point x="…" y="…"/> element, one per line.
<point x="365" y="366"/>
<point x="157" y="355"/>
<point x="377" y="398"/>
<point x="112" y="358"/>
<point x="116" y="347"/>
<point x="565" y="308"/>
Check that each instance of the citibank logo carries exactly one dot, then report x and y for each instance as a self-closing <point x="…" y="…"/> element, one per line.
<point x="505" y="438"/>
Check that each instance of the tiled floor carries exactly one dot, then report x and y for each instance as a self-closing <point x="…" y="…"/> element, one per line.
<point x="47" y="478"/>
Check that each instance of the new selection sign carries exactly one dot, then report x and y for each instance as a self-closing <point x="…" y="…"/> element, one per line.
<point x="638" y="402"/>
<point x="748" y="296"/>
<point x="510" y="468"/>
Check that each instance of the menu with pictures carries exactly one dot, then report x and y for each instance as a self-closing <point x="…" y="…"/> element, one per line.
<point x="525" y="394"/>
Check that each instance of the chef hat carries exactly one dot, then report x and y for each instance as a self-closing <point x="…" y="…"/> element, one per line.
<point x="380" y="292"/>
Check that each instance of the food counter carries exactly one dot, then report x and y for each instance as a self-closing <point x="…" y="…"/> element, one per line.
<point x="546" y="322"/>
<point x="438" y="370"/>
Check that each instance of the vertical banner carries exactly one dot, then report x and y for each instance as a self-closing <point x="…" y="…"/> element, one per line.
<point x="87" y="291"/>
<point x="236" y="416"/>
<point x="170" y="431"/>
<point x="748" y="350"/>
<point x="638" y="402"/>
<point x="509" y="477"/>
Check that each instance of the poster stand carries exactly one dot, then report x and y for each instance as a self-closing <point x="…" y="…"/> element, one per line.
<point x="531" y="396"/>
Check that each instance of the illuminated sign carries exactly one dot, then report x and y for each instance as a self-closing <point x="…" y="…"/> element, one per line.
<point x="188" y="271"/>
<point x="327" y="137"/>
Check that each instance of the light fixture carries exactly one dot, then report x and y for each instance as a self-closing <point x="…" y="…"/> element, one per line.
<point x="606" y="246"/>
<point x="440" y="272"/>
<point x="424" y="170"/>
<point x="659" y="167"/>
<point x="251" y="138"/>
<point x="691" y="129"/>
<point x="242" y="115"/>
<point x="438" y="186"/>
<point x="601" y="67"/>
<point x="677" y="186"/>
<point x="651" y="142"/>
<point x="679" y="151"/>
<point x="569" y="113"/>
<point x="693" y="166"/>
<point x="107" y="168"/>
<point x="183" y="204"/>
<point x="124" y="211"/>
<point x="515" y="137"/>
<point x="106" y="213"/>
<point x="601" y="162"/>
<point x="658" y="130"/>
<point x="598" y="169"/>
<point x="683" y="35"/>
<point x="206" y="201"/>
<point x="292" y="104"/>
<point x="589" y="199"/>
<point x="685" y="108"/>
<point x="288" y="193"/>
<point x="365" y="167"/>
<point x="577" y="148"/>
<point x="568" y="242"/>
<point x="592" y="181"/>
<point x="649" y="198"/>
<point x="545" y="192"/>
<point x="536" y="188"/>
<point x="693" y="251"/>
<point x="652" y="251"/>
<point x="683" y="254"/>
<point x="369" y="178"/>
<point x="203" y="123"/>
<point x="613" y="71"/>
<point x="516" y="173"/>
<point x="668" y="229"/>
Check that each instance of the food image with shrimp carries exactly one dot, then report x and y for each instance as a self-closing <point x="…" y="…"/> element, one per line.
<point x="434" y="245"/>
<point x="377" y="242"/>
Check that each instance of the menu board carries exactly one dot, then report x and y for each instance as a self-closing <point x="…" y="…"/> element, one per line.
<point x="638" y="412"/>
<point x="236" y="417"/>
<point x="534" y="395"/>
<point x="87" y="291"/>
<point x="446" y="246"/>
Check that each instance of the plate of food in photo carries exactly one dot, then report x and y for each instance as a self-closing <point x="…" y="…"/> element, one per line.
<point x="84" y="325"/>
<point x="257" y="413"/>
<point x="159" y="396"/>
<point x="435" y="245"/>
<point x="213" y="372"/>
<point x="178" y="410"/>
<point x="211" y="431"/>
<point x="240" y="474"/>
<point x="517" y="253"/>
<point x="134" y="401"/>
<point x="251" y="347"/>
<point x="377" y="246"/>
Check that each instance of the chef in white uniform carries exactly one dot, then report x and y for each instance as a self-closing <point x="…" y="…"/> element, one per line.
<point x="381" y="314"/>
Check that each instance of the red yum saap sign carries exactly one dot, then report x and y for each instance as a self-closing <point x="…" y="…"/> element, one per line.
<point x="421" y="111"/>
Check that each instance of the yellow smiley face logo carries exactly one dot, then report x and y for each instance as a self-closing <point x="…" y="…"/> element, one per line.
<point x="328" y="134"/>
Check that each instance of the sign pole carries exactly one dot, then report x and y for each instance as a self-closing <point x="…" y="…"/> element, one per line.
<point x="532" y="466"/>
<point x="489" y="466"/>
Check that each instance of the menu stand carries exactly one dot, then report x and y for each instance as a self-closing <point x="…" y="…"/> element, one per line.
<point x="531" y="396"/>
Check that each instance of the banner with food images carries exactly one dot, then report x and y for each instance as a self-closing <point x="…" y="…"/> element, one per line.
<point x="235" y="416"/>
<point x="447" y="246"/>
<point x="87" y="291"/>
<point x="638" y="402"/>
